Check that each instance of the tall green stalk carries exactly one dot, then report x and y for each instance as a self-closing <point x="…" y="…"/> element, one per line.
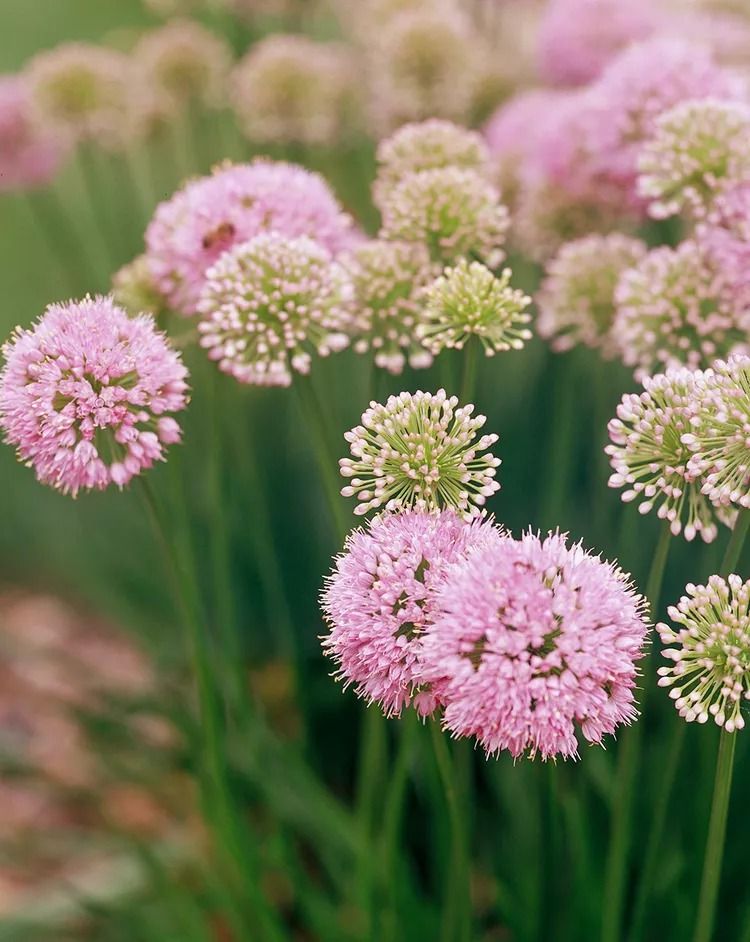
<point x="469" y="376"/>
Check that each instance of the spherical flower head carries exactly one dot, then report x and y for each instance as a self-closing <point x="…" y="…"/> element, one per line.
<point x="86" y="395"/>
<point x="292" y="89"/>
<point x="420" y="451"/>
<point x="699" y="149"/>
<point x="377" y="601"/>
<point x="533" y="640"/>
<point x="83" y="91"/>
<point x="30" y="156"/>
<point x="268" y="303"/>
<point x="133" y="288"/>
<point x="236" y="202"/>
<point x="388" y="280"/>
<point x="428" y="145"/>
<point x="185" y="62"/>
<point x="709" y="674"/>
<point x="470" y="301"/>
<point x="676" y="307"/>
<point x="576" y="299"/>
<point x="453" y="212"/>
<point x="651" y="457"/>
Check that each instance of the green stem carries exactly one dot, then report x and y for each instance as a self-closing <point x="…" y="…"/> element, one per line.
<point x="469" y="375"/>
<point x="370" y="779"/>
<point x="52" y="224"/>
<point x="562" y="451"/>
<point x="92" y="186"/>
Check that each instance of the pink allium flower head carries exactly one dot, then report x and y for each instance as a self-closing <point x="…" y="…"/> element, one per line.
<point x="709" y="673"/>
<point x="578" y="38"/>
<point x="531" y="641"/>
<point x="420" y="451"/>
<point x="576" y="299"/>
<point x="268" y="303"/>
<point x="85" y="395"/>
<point x="679" y="306"/>
<point x="377" y="601"/>
<point x="236" y="202"/>
<point x="29" y="155"/>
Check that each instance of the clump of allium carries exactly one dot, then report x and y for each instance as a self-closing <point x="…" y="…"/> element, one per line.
<point x="268" y="303"/>
<point x="453" y="212"/>
<point x="576" y="298"/>
<point x="133" y="288"/>
<point x="377" y="601"/>
<point x="469" y="300"/>
<point x="532" y="641"/>
<point x="710" y="652"/>
<point x="209" y="215"/>
<point x="699" y="149"/>
<point x="30" y="156"/>
<point x="651" y="457"/>
<point x="388" y="279"/>
<point x="83" y="91"/>
<point x="185" y="62"/>
<point x="428" y="145"/>
<point x="85" y="395"/>
<point x="420" y="451"/>
<point x="677" y="307"/>
<point x="294" y="89"/>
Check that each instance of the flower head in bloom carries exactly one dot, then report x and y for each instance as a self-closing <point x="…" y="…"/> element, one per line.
<point x="294" y="89"/>
<point x="678" y="306"/>
<point x="650" y="456"/>
<point x="388" y="279"/>
<point x="420" y="451"/>
<point x="453" y="212"/>
<point x="185" y="62"/>
<point x="83" y="91"/>
<point x="576" y="299"/>
<point x="267" y="303"/>
<point x="236" y="202"/>
<point x="428" y="145"/>
<point x="710" y="652"/>
<point x="133" y="288"/>
<point x="29" y="155"/>
<point x="533" y="640"/>
<point x="469" y="300"/>
<point x="377" y="601"/>
<point x="699" y="149"/>
<point x="85" y="395"/>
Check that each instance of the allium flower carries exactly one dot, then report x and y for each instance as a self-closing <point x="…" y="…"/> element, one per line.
<point x="377" y="601"/>
<point x="185" y="62"/>
<point x="453" y="212"/>
<point x="533" y="640"/>
<point x="650" y="455"/>
<point x="295" y="89"/>
<point x="678" y="306"/>
<point x="710" y="652"/>
<point x="388" y="279"/>
<point x="133" y="288"/>
<point x="85" y="395"/>
<point x="428" y="145"/>
<point x="420" y="451"/>
<point x="267" y="303"/>
<point x="699" y="149"/>
<point x="236" y="202"/>
<point x="83" y="91"/>
<point x="29" y="155"/>
<point x="469" y="300"/>
<point x="576" y="299"/>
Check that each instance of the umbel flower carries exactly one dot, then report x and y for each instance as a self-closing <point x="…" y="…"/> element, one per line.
<point x="453" y="212"/>
<point x="678" y="306"/>
<point x="710" y="652"/>
<point x="388" y="279"/>
<point x="133" y="288"/>
<point x="576" y="301"/>
<point x="533" y="640"/>
<point x="378" y="599"/>
<point x="650" y="453"/>
<point x="699" y="150"/>
<point x="420" y="451"/>
<point x="236" y="202"/>
<point x="469" y="300"/>
<point x="268" y="303"/>
<point x="85" y="395"/>
<point x="30" y="156"/>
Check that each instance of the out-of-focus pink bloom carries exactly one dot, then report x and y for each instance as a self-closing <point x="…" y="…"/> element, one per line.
<point x="29" y="156"/>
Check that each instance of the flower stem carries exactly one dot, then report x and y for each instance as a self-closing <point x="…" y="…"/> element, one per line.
<point x="469" y="374"/>
<point x="370" y="780"/>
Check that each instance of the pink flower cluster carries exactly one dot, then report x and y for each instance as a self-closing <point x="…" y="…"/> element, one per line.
<point x="29" y="156"/>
